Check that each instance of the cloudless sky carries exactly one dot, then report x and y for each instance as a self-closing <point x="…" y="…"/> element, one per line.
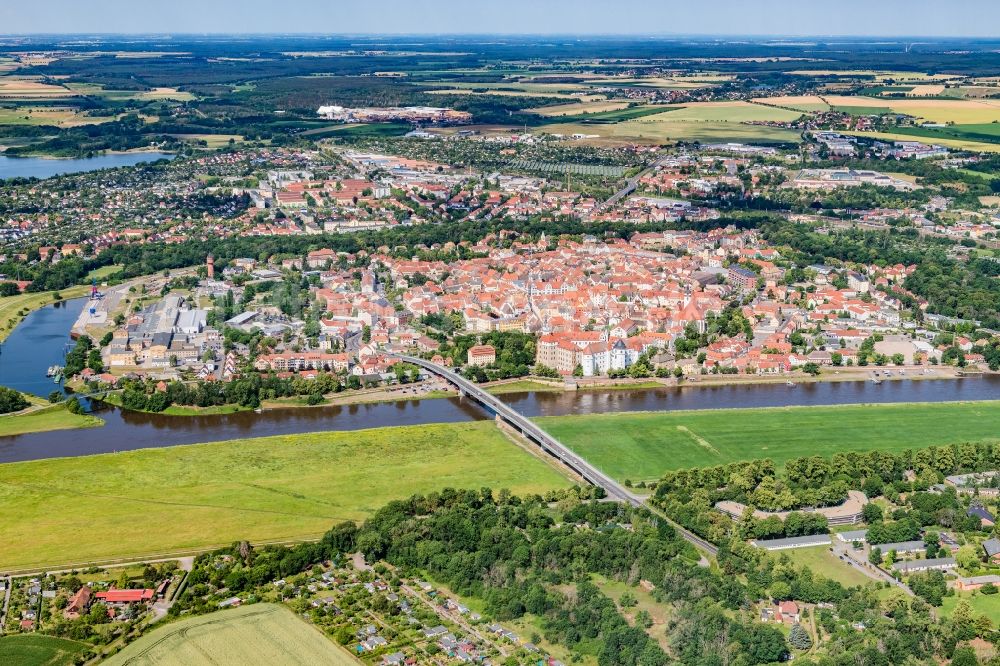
<point x="646" y="17"/>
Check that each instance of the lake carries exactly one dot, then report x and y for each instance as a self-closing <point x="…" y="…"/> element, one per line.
<point x="42" y="167"/>
<point x="41" y="339"/>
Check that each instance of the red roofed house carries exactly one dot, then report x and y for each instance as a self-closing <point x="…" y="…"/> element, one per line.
<point x="78" y="604"/>
<point x="114" y="596"/>
<point x="482" y="355"/>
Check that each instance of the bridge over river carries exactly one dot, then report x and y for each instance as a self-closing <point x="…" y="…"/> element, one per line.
<point x="549" y="444"/>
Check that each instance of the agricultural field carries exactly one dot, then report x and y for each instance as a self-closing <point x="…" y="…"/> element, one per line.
<point x="701" y="121"/>
<point x="38" y="650"/>
<point x="958" y="111"/>
<point x="11" y="88"/>
<point x="271" y="488"/>
<point x="258" y="633"/>
<point x="642" y="446"/>
<point x="583" y="108"/>
<point x="55" y="116"/>
<point x="806" y="103"/>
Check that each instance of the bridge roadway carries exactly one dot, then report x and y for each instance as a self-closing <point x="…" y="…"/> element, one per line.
<point x="549" y="444"/>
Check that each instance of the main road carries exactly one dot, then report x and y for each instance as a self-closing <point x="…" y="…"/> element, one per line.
<point x="548" y="443"/>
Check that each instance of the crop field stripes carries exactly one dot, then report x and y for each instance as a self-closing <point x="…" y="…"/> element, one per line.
<point x="698" y="439"/>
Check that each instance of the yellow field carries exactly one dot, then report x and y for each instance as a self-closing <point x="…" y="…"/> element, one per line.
<point x="576" y="109"/>
<point x="947" y="143"/>
<point x="926" y="90"/>
<point x="24" y="89"/>
<point x="958" y="111"/>
<point x="800" y="102"/>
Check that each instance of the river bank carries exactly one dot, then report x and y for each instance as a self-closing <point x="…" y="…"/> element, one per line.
<point x="14" y="309"/>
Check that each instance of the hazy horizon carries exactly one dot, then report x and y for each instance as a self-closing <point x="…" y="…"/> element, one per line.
<point x="972" y="19"/>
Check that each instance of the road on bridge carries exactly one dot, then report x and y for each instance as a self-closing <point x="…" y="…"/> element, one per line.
<point x="549" y="444"/>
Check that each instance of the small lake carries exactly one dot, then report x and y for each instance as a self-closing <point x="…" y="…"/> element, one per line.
<point x="42" y="337"/>
<point x="42" y="167"/>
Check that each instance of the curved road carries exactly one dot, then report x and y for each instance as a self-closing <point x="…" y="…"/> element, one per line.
<point x="549" y="444"/>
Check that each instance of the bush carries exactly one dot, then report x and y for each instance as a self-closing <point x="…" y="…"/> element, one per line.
<point x="11" y="400"/>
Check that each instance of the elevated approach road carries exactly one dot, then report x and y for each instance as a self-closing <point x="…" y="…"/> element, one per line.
<point x="547" y="443"/>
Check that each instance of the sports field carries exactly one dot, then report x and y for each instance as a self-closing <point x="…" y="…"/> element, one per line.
<point x="255" y="634"/>
<point x="186" y="497"/>
<point x="642" y="446"/>
<point x="38" y="650"/>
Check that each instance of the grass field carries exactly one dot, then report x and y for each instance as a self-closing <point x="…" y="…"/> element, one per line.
<point x="38" y="650"/>
<point x="579" y="108"/>
<point x="824" y="563"/>
<point x="187" y="497"/>
<point x="11" y="306"/>
<point x="104" y="272"/>
<point x="642" y="446"/>
<point x="56" y="417"/>
<point x="982" y="604"/>
<point x="701" y="121"/>
<point x="256" y="634"/>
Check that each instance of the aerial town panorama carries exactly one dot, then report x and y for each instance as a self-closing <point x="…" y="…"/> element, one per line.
<point x="504" y="349"/>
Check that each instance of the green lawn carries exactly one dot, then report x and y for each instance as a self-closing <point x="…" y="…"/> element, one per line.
<point x="104" y="272"/>
<point x="642" y="446"/>
<point x="824" y="563"/>
<point x="259" y="633"/>
<point x="982" y="604"/>
<point x="37" y="650"/>
<point x="56" y="417"/>
<point x="286" y="487"/>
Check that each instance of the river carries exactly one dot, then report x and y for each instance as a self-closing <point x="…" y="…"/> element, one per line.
<point x="39" y="341"/>
<point x="43" y="167"/>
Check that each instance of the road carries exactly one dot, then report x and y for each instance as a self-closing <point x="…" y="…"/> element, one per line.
<point x="630" y="186"/>
<point x="549" y="444"/>
<point x="6" y="602"/>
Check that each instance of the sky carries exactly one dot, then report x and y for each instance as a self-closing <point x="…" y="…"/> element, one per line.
<point x="944" y="18"/>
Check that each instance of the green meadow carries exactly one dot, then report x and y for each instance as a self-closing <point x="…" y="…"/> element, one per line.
<point x="644" y="445"/>
<point x="151" y="501"/>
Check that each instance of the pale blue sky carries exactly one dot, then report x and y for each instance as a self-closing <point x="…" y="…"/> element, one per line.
<point x="744" y="17"/>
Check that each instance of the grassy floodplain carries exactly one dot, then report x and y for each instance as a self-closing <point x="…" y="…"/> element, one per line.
<point x="12" y="306"/>
<point x="643" y="445"/>
<point x="260" y="633"/>
<point x="61" y="511"/>
<point x="56" y="417"/>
